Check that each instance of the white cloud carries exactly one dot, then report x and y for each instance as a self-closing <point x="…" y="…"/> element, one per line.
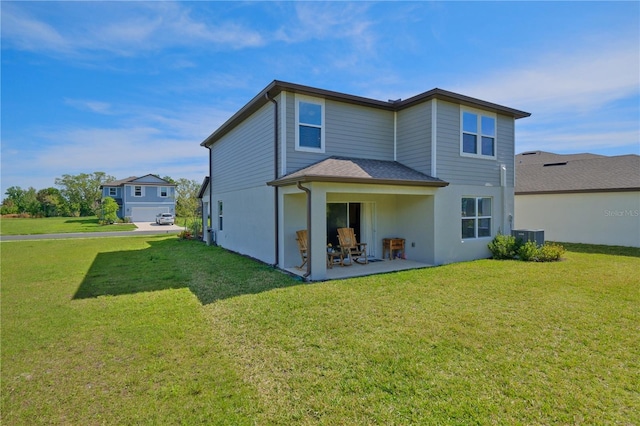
<point x="322" y="21"/>
<point x="145" y="140"/>
<point x="120" y="28"/>
<point x="90" y="105"/>
<point x="28" y="33"/>
<point x="580" y="81"/>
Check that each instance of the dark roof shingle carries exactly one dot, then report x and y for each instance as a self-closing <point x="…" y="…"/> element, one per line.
<point x="545" y="172"/>
<point x="359" y="170"/>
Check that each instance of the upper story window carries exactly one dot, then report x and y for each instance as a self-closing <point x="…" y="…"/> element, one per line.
<point x="309" y="124"/>
<point x="113" y="192"/>
<point x="476" y="217"/>
<point x="163" y="191"/>
<point x="478" y="135"/>
<point x="137" y="191"/>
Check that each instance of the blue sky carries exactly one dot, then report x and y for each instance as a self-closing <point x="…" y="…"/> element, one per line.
<point x="132" y="88"/>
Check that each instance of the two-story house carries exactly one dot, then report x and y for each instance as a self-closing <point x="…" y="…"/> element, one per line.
<point x="436" y="169"/>
<point x="141" y="198"/>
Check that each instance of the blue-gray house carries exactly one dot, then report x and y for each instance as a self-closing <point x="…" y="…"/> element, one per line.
<point x="141" y="198"/>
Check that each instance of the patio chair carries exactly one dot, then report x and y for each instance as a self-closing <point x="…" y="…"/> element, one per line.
<point x="351" y="247"/>
<point x="303" y="247"/>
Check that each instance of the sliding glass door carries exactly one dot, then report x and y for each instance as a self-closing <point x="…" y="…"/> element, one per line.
<point x="342" y="215"/>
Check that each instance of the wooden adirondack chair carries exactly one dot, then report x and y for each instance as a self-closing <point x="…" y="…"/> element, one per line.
<point x="303" y="246"/>
<point x="351" y="247"/>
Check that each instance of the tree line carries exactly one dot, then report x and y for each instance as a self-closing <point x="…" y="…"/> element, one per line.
<point x="80" y="195"/>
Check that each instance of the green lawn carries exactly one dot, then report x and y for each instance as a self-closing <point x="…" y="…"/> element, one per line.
<point x="57" y="225"/>
<point x="154" y="330"/>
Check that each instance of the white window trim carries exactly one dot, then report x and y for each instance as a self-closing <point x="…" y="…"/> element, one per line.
<point x="160" y="191"/>
<point x="133" y="191"/>
<point x="220" y="224"/>
<point x="479" y="113"/>
<point x="477" y="218"/>
<point x="323" y="127"/>
<point x="115" y="192"/>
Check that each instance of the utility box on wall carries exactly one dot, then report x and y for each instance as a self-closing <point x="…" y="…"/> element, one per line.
<point x="535" y="235"/>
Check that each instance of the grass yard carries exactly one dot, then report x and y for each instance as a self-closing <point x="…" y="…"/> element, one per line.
<point x="57" y="225"/>
<point x="154" y="330"/>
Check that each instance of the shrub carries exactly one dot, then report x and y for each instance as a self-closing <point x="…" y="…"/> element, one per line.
<point x="504" y="247"/>
<point x="550" y="252"/>
<point x="528" y="252"/>
<point x="185" y="235"/>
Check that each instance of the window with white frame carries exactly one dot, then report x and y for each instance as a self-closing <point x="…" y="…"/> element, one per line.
<point x="309" y="124"/>
<point x="163" y="191"/>
<point x="476" y="217"/>
<point x="137" y="191"/>
<point x="113" y="192"/>
<point x="478" y="134"/>
<point x="220" y="215"/>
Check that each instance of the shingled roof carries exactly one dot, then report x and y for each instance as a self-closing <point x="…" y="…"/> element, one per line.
<point x="359" y="170"/>
<point x="540" y="172"/>
<point x="132" y="179"/>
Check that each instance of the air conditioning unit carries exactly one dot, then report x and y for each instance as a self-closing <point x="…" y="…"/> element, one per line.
<point x="525" y="235"/>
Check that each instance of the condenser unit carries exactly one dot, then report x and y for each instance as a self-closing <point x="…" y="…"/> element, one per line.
<point x="535" y="235"/>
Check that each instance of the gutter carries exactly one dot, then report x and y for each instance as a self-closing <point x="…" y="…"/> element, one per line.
<point x="308" y="191"/>
<point x="275" y="176"/>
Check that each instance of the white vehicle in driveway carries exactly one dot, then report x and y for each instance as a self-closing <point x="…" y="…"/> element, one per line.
<point x="164" y="219"/>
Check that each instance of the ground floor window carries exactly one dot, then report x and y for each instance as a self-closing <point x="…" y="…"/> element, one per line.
<point x="219" y="215"/>
<point x="476" y="217"/>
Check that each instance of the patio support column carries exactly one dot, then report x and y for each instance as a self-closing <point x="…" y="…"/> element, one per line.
<point x="319" y="233"/>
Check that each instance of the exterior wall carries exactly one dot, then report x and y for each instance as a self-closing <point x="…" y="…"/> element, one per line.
<point x="248" y="222"/>
<point x="105" y="192"/>
<point x="449" y="245"/>
<point x="242" y="163"/>
<point x="205" y="200"/>
<point x="457" y="169"/>
<point x="243" y="158"/>
<point x="414" y="137"/>
<point x="150" y="194"/>
<point x="350" y="131"/>
<point x="610" y="218"/>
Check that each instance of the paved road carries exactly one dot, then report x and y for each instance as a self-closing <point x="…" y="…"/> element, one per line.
<point x="143" y="229"/>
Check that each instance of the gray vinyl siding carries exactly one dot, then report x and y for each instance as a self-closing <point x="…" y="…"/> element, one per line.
<point x="457" y="169"/>
<point x="350" y="131"/>
<point x="150" y="194"/>
<point x="243" y="158"/>
<point x="506" y="147"/>
<point x="414" y="137"/>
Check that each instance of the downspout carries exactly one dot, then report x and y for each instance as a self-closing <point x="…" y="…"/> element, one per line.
<point x="275" y="176"/>
<point x="395" y="135"/>
<point x="308" y="191"/>
<point x="210" y="238"/>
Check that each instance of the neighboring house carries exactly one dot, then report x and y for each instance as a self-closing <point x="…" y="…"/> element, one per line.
<point x="579" y="198"/>
<point x="141" y="198"/>
<point x="436" y="169"/>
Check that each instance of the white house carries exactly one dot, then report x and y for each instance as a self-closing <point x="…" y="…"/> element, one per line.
<point x="436" y="170"/>
<point x="579" y="198"/>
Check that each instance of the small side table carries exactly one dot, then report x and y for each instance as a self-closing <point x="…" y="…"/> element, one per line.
<point x="391" y="244"/>
<point x="333" y="256"/>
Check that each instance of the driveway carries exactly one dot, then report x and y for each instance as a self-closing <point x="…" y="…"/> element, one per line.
<point x="152" y="226"/>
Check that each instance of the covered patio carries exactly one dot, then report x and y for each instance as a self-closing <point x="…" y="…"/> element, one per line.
<point x="378" y="199"/>
<point x="372" y="268"/>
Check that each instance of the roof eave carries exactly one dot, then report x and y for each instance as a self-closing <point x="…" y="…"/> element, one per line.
<point x="577" y="191"/>
<point x="277" y="86"/>
<point x="339" y="179"/>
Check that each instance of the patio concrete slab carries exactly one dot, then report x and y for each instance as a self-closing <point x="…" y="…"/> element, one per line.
<point x="371" y="268"/>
